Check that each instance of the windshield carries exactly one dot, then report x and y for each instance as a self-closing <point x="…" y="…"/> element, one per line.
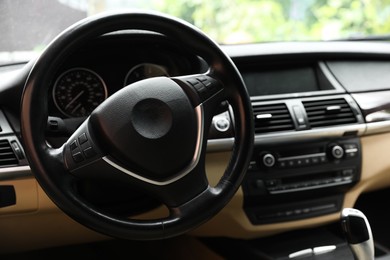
<point x="27" y="26"/>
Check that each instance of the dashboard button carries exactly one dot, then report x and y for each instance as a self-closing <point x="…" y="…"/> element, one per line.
<point x="89" y="152"/>
<point x="271" y="183"/>
<point x="17" y="150"/>
<point x="347" y="172"/>
<point x="298" y="212"/>
<point x="202" y="78"/>
<point x="315" y="160"/>
<point x="83" y="138"/>
<point x="258" y="184"/>
<point x="193" y="82"/>
<point x="252" y="166"/>
<point x="291" y="163"/>
<point x="350" y="146"/>
<point x="77" y="156"/>
<point x="222" y="124"/>
<point x="73" y="145"/>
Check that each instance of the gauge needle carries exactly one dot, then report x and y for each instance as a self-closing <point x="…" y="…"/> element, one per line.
<point x="74" y="99"/>
<point x="77" y="107"/>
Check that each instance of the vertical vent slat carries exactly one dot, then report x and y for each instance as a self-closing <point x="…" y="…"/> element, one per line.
<point x="7" y="155"/>
<point x="272" y="118"/>
<point x="331" y="112"/>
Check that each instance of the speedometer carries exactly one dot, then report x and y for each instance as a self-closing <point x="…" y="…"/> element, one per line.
<point x="78" y="91"/>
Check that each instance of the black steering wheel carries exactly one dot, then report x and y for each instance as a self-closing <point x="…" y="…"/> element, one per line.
<point x="150" y="134"/>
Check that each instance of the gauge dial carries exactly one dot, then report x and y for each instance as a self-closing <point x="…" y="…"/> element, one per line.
<point x="144" y="71"/>
<point x="77" y="92"/>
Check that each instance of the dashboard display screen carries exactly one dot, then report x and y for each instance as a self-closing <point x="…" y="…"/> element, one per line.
<point x="281" y="81"/>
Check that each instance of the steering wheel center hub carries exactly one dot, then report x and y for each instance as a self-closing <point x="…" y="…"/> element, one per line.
<point x="152" y="118"/>
<point x="150" y="127"/>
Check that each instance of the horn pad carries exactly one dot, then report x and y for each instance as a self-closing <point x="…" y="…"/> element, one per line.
<point x="149" y="126"/>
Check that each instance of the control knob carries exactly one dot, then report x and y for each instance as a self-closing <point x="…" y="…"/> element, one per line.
<point x="337" y="152"/>
<point x="268" y="160"/>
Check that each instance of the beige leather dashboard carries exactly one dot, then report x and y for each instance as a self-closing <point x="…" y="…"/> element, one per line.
<point x="375" y="171"/>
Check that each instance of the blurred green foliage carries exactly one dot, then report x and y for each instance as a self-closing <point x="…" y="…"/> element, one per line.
<point x="243" y="21"/>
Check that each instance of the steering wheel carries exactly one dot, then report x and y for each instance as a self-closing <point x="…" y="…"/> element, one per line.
<point x="150" y="134"/>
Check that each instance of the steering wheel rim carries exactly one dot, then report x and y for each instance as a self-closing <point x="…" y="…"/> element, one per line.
<point x="51" y="166"/>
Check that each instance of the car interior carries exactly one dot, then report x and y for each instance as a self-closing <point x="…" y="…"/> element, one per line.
<point x="133" y="134"/>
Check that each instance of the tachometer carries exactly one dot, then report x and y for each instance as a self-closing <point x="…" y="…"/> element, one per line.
<point x="144" y="71"/>
<point x="78" y="91"/>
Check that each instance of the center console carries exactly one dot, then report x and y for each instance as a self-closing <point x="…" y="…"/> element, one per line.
<point x="307" y="150"/>
<point x="297" y="180"/>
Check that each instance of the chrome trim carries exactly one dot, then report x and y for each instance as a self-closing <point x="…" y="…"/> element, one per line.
<point x="312" y="187"/>
<point x="323" y="249"/>
<point x="8" y="173"/>
<point x="352" y="150"/>
<point x="308" y="94"/>
<point x="263" y="116"/>
<point x="225" y="144"/>
<point x="337" y="131"/>
<point x="378" y="127"/>
<point x="301" y="253"/>
<point x="301" y="157"/>
<point x="378" y="116"/>
<point x="195" y="159"/>
<point x="220" y="145"/>
<point x="333" y="108"/>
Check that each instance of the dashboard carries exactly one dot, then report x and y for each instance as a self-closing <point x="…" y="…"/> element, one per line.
<point x="321" y="114"/>
<point x="307" y="120"/>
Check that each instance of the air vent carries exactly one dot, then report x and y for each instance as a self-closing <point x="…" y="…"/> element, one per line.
<point x="7" y="155"/>
<point x="329" y="112"/>
<point x="272" y="118"/>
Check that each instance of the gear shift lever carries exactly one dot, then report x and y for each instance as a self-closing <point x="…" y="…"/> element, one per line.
<point x="358" y="233"/>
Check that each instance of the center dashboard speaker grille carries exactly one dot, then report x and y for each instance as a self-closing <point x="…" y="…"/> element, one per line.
<point x="329" y="112"/>
<point x="272" y="118"/>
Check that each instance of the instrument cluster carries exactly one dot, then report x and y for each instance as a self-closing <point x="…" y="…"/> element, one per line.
<point x="78" y="91"/>
<point x="106" y="65"/>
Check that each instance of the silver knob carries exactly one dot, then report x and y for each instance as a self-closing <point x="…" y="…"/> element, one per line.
<point x="269" y="160"/>
<point x="337" y="152"/>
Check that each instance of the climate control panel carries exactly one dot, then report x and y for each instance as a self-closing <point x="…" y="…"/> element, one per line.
<point x="295" y="172"/>
<point x="332" y="152"/>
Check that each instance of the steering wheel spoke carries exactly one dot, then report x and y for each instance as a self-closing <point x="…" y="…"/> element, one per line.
<point x="201" y="88"/>
<point x="207" y="92"/>
<point x="81" y="148"/>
